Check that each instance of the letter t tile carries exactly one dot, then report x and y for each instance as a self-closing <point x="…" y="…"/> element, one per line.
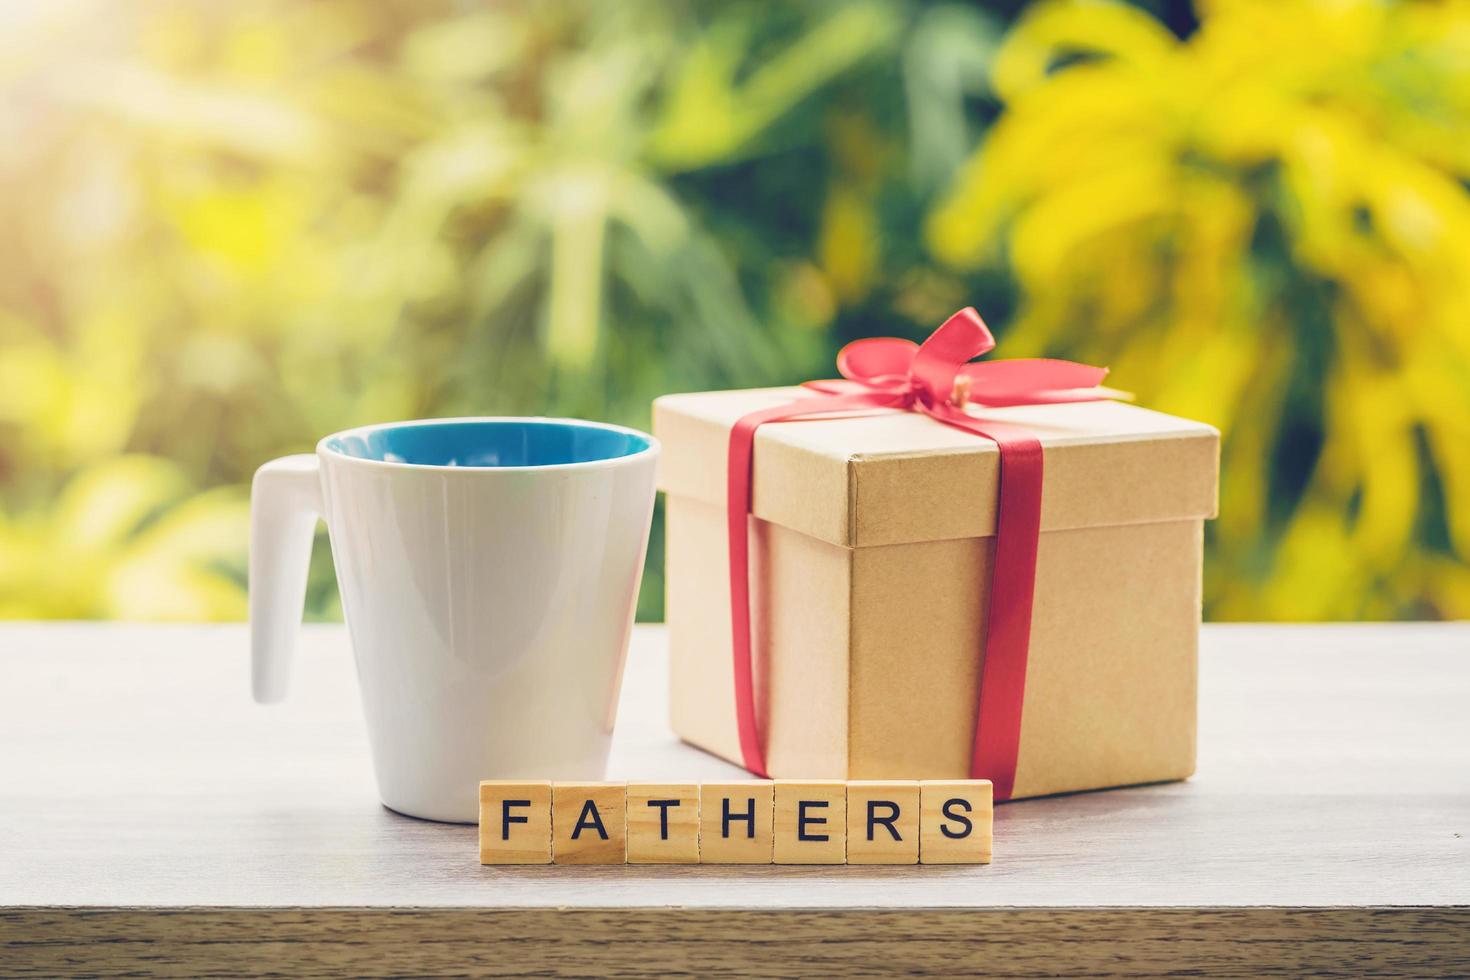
<point x="663" y="823"/>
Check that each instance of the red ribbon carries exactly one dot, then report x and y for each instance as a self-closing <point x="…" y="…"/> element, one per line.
<point x="932" y="378"/>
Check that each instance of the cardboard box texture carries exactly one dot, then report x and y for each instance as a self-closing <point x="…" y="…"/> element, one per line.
<point x="871" y="551"/>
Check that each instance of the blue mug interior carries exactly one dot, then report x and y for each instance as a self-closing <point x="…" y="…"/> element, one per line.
<point x="488" y="442"/>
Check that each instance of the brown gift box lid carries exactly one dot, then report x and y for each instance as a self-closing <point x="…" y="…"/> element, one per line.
<point x="853" y="480"/>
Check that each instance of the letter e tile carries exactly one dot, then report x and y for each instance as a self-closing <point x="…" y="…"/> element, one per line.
<point x="811" y="822"/>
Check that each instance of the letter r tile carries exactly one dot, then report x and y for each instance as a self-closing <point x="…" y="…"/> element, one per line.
<point x="882" y="822"/>
<point x="515" y="822"/>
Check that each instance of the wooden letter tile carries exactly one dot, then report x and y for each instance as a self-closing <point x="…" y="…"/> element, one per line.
<point x="588" y="823"/>
<point x="735" y="822"/>
<point x="955" y="821"/>
<point x="882" y="822"/>
<point x="811" y="822"/>
<point x="663" y="823"/>
<point x="515" y="822"/>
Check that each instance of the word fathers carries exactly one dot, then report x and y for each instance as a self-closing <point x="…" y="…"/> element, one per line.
<point x="753" y="822"/>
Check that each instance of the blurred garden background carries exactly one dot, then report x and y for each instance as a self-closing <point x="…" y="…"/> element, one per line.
<point x="231" y="228"/>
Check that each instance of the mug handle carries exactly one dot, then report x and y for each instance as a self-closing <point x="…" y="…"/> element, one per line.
<point x="285" y="502"/>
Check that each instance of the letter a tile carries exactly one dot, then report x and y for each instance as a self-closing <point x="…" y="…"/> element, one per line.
<point x="515" y="822"/>
<point x="588" y="823"/>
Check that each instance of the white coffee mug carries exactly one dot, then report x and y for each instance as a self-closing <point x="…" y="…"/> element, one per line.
<point x="488" y="570"/>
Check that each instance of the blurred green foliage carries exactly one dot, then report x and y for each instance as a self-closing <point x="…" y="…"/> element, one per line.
<point x="233" y="228"/>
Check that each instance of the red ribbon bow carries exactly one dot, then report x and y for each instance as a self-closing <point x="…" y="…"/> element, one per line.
<point x="932" y="378"/>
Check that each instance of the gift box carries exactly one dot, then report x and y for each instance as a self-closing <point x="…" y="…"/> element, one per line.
<point x="874" y="601"/>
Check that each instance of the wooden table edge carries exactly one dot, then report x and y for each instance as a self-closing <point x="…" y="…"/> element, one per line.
<point x="1407" y="940"/>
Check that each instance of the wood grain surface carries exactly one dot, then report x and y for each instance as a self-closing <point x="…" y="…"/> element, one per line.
<point x="153" y="819"/>
<point x="1072" y="942"/>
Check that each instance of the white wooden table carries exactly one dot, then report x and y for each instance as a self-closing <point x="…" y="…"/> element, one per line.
<point x="153" y="819"/>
